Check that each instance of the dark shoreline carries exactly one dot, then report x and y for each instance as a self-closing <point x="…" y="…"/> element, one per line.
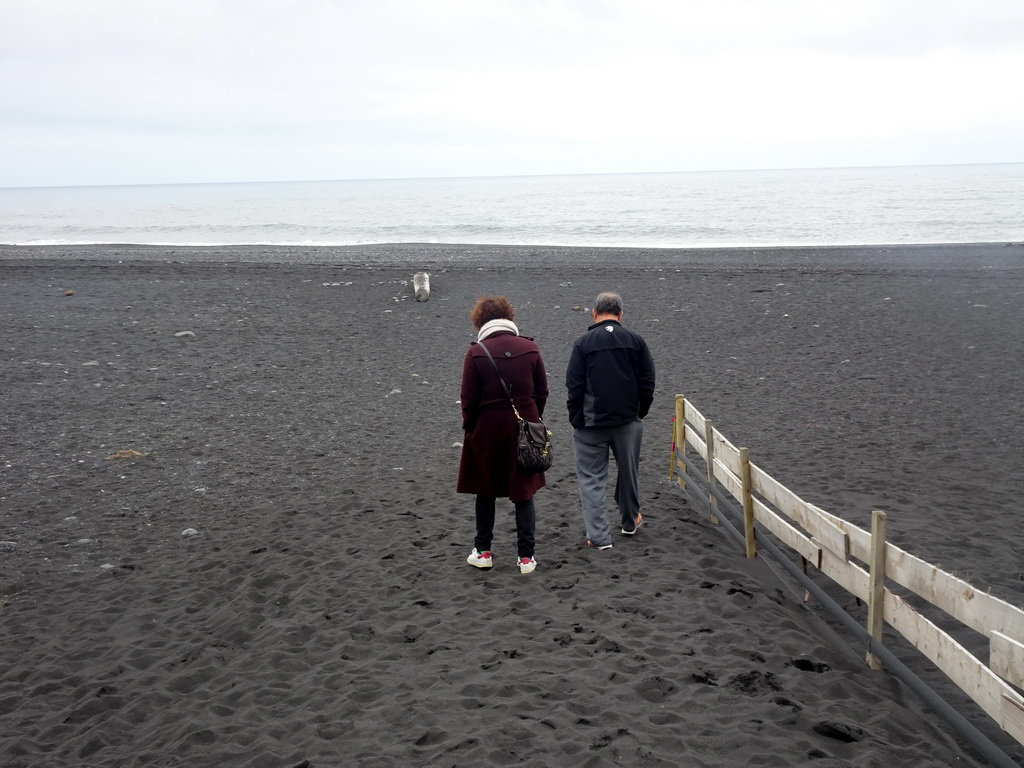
<point x="432" y="255"/>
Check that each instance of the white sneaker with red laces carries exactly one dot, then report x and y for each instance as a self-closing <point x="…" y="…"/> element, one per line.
<point x="527" y="564"/>
<point x="480" y="559"/>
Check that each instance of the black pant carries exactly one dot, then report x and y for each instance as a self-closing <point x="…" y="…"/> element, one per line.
<point x="526" y="525"/>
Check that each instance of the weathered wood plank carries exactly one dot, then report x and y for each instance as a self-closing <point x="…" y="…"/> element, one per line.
<point x="975" y="679"/>
<point x="860" y="539"/>
<point x="845" y="573"/>
<point x="728" y="453"/>
<point x="696" y="442"/>
<point x="732" y="482"/>
<point x="807" y="516"/>
<point x="1013" y="718"/>
<point x="1006" y="657"/>
<point x="978" y="610"/>
<point x="695" y="417"/>
<point x="787" y="533"/>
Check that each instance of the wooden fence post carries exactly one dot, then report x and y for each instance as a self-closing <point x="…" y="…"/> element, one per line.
<point x="748" y="503"/>
<point x="876" y="586"/>
<point x="678" y="436"/>
<point x="709" y="441"/>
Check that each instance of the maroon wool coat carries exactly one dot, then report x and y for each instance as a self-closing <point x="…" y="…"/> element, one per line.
<point x="488" y="466"/>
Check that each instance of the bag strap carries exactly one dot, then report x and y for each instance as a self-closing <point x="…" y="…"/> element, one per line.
<point x="503" y="384"/>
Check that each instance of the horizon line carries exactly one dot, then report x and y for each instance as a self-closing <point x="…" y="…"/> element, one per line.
<point x="502" y="176"/>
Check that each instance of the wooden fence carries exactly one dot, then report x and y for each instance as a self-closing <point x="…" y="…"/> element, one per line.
<point x="862" y="563"/>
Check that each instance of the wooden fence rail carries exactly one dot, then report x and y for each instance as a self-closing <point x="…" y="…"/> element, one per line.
<point x="863" y="562"/>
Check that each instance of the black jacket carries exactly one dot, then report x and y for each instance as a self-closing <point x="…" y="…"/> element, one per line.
<point x="610" y="377"/>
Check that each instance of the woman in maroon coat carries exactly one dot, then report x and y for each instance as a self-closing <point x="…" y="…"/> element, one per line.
<point x="488" y="467"/>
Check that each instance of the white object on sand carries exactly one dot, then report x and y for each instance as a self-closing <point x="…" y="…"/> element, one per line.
<point x="421" y="284"/>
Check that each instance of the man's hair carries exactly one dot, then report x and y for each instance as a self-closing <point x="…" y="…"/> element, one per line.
<point x="608" y="304"/>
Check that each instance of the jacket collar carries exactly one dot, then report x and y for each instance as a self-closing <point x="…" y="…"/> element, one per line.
<point x="496" y="326"/>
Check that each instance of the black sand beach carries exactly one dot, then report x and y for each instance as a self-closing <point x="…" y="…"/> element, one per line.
<point x="297" y="409"/>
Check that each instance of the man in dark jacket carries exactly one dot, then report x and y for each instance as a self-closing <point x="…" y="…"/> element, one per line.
<point x="610" y="379"/>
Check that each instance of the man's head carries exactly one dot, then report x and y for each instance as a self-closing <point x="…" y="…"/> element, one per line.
<point x="607" y="306"/>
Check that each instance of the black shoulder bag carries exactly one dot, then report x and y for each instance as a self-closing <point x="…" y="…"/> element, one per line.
<point x="533" y="445"/>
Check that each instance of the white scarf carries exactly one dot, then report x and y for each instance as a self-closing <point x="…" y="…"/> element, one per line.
<point x="493" y="326"/>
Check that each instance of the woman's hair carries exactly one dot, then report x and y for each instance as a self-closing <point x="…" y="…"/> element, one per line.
<point x="491" y="308"/>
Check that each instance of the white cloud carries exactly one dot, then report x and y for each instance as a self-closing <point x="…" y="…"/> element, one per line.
<point x="120" y="91"/>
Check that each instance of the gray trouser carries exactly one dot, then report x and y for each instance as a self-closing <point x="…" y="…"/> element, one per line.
<point x="591" y="445"/>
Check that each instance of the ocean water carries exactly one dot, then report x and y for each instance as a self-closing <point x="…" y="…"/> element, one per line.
<point x="845" y="206"/>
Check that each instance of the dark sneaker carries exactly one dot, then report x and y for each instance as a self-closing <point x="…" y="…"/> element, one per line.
<point x="599" y="546"/>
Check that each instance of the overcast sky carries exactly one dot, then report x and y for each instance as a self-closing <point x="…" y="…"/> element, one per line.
<point x="163" y="91"/>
